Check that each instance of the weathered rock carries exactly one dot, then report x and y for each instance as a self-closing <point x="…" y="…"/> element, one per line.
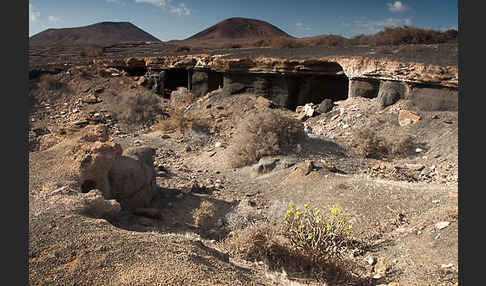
<point x="309" y="109"/>
<point x="359" y="67"/>
<point x="442" y="224"/>
<point x="200" y="83"/>
<point x="305" y="167"/>
<point x="92" y="162"/>
<point x="415" y="167"/>
<point x="132" y="178"/>
<point x="180" y="96"/>
<point x="265" y="165"/>
<point x="262" y="102"/>
<point x="390" y="92"/>
<point x="90" y="99"/>
<point x="325" y="106"/>
<point x="364" y="88"/>
<point x="142" y="81"/>
<point x="406" y="117"/>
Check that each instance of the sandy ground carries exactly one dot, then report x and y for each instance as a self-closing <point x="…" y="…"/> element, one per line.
<point x="393" y="205"/>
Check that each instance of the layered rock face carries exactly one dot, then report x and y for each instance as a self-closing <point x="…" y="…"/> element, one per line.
<point x="291" y="82"/>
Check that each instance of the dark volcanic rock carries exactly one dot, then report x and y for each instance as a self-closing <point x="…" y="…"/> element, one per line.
<point x="101" y="34"/>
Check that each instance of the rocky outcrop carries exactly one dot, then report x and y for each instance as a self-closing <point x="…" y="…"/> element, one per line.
<point x="359" y="67"/>
<point x="92" y="163"/>
<point x="363" y="88"/>
<point x="390" y="92"/>
<point x="132" y="178"/>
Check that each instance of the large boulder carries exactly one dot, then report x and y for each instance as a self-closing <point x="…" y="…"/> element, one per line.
<point x="200" y="83"/>
<point x="390" y="92"/>
<point x="92" y="162"/>
<point x="325" y="106"/>
<point x="132" y="178"/>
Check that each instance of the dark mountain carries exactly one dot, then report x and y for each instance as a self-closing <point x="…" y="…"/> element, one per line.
<point x="100" y="34"/>
<point x="239" y="28"/>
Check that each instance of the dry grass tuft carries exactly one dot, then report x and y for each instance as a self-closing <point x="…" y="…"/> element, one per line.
<point x="262" y="133"/>
<point x="180" y="119"/>
<point x="137" y="108"/>
<point x="204" y="217"/>
<point x="369" y="144"/>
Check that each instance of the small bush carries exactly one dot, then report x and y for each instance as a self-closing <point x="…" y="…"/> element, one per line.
<point x="264" y="132"/>
<point x="49" y="82"/>
<point x="259" y="242"/>
<point x="180" y="120"/>
<point x="369" y="144"/>
<point x="204" y="216"/>
<point x="320" y="236"/>
<point x="137" y="108"/>
<point x="306" y="243"/>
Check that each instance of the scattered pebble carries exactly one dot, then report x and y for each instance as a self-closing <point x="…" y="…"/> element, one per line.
<point x="442" y="224"/>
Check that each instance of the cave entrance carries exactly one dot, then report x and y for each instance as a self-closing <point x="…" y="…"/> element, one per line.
<point x="315" y="88"/>
<point x="136" y="71"/>
<point x="175" y="78"/>
<point x="87" y="186"/>
<point x="215" y="80"/>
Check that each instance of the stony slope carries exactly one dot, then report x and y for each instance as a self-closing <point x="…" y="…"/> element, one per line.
<point x="101" y="34"/>
<point x="239" y="28"/>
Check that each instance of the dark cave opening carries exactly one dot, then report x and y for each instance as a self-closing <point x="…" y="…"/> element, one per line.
<point x="215" y="80"/>
<point x="175" y="78"/>
<point x="88" y="185"/>
<point x="315" y="88"/>
<point x="136" y="71"/>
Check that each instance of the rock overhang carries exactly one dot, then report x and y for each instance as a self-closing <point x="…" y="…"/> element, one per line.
<point x="356" y="67"/>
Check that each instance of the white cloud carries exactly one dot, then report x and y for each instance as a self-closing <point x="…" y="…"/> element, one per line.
<point x="160" y="3"/>
<point x="180" y="9"/>
<point x="53" y="19"/>
<point x="365" y="26"/>
<point x="397" y="6"/>
<point x="34" y="15"/>
<point x="301" y="25"/>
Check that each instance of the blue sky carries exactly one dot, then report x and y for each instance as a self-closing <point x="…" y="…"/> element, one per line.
<point x="180" y="19"/>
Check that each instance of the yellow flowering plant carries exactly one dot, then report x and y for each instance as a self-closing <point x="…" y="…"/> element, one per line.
<point x="321" y="235"/>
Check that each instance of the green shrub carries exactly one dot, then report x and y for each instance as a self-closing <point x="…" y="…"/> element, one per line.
<point x="322" y="236"/>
